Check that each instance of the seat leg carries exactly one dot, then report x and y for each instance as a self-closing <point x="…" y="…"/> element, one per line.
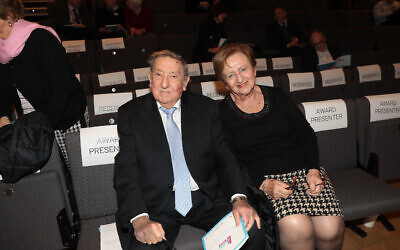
<point x="357" y="230"/>
<point x="385" y="222"/>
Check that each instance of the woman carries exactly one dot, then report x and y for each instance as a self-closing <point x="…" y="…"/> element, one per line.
<point x="137" y="18"/>
<point x="277" y="146"/>
<point x="36" y="75"/>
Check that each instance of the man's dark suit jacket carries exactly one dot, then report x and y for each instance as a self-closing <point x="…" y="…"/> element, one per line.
<point x="309" y="57"/>
<point x="279" y="37"/>
<point x="61" y="18"/>
<point x="143" y="176"/>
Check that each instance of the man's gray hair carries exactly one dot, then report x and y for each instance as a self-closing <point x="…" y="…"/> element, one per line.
<point x="168" y="53"/>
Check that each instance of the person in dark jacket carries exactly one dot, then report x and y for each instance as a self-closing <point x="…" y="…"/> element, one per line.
<point x="285" y="35"/>
<point x="317" y="53"/>
<point x="36" y="74"/>
<point x="110" y="20"/>
<point x="210" y="34"/>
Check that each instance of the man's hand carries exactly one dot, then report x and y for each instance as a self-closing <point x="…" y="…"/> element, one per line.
<point x="148" y="231"/>
<point x="4" y="121"/>
<point x="276" y="189"/>
<point x="214" y="50"/>
<point x="242" y="209"/>
<point x="293" y="43"/>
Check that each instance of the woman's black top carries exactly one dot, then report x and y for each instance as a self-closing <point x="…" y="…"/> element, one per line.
<point x="44" y="76"/>
<point x="276" y="140"/>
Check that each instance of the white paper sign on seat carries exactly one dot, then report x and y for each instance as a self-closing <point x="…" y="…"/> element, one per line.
<point x="369" y="73"/>
<point x="194" y="69"/>
<point x="99" y="145"/>
<point x="141" y="74"/>
<point x="215" y="90"/>
<point x="114" y="78"/>
<point x="109" y="103"/>
<point x="208" y="68"/>
<point x="301" y="81"/>
<point x="113" y="43"/>
<point x="384" y="107"/>
<point x="326" y="115"/>
<point x="261" y="64"/>
<point x="396" y="67"/>
<point x="265" y="81"/>
<point x="333" y="77"/>
<point x="141" y="92"/>
<point x="279" y="63"/>
<point x="74" y="46"/>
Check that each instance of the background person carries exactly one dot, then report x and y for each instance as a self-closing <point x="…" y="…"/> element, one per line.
<point x="387" y="12"/>
<point x="317" y="53"/>
<point x="271" y="137"/>
<point x="210" y="34"/>
<point x="112" y="13"/>
<point x="285" y="35"/>
<point x="137" y="18"/>
<point x="172" y="162"/>
<point x="36" y="75"/>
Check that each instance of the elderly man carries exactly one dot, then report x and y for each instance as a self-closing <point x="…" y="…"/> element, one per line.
<point x="386" y="12"/>
<point x="317" y="53"/>
<point x="285" y="35"/>
<point x="173" y="162"/>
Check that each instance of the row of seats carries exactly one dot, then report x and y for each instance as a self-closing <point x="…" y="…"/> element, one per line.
<point x="42" y="226"/>
<point x="124" y="53"/>
<point x="256" y="20"/>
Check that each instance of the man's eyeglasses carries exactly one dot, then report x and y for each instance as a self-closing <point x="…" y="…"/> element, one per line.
<point x="303" y="185"/>
<point x="317" y="44"/>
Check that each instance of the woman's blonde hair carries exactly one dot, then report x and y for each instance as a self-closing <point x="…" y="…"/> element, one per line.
<point x="219" y="59"/>
<point x="11" y="9"/>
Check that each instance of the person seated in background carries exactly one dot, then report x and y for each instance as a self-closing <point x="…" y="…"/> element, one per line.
<point x="174" y="166"/>
<point x="387" y="12"/>
<point x="137" y="18"/>
<point x="212" y="34"/>
<point x="72" y="21"/>
<point x="110" y="20"/>
<point x="276" y="145"/>
<point x="318" y="52"/>
<point x="285" y="35"/>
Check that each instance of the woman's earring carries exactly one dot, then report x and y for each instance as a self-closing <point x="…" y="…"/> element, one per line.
<point x="10" y="23"/>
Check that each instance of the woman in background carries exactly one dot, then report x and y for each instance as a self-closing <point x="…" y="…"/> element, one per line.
<point x="279" y="150"/>
<point x="36" y="75"/>
<point x="137" y="18"/>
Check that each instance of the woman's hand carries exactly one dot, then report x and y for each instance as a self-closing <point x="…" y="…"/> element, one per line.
<point x="314" y="181"/>
<point x="276" y="189"/>
<point x="4" y="121"/>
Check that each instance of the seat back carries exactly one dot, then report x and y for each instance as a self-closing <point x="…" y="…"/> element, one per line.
<point x="379" y="133"/>
<point x="85" y="61"/>
<point x="93" y="185"/>
<point x="300" y="86"/>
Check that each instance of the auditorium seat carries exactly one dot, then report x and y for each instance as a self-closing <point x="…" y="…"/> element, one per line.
<point x="84" y="79"/>
<point x="258" y="20"/>
<point x="181" y="43"/>
<point x="283" y="65"/>
<point x="375" y="80"/>
<point x="97" y="201"/>
<point x="36" y="212"/>
<point x="388" y="56"/>
<point x="360" y="194"/>
<point x="84" y="62"/>
<point x="135" y="53"/>
<point x="114" y="82"/>
<point x="235" y="22"/>
<point x="257" y="38"/>
<point x="354" y="39"/>
<point x="329" y="84"/>
<point x="360" y="58"/>
<point x="379" y="135"/>
<point x="176" y="26"/>
<point x="323" y="18"/>
<point x="300" y="86"/>
<point x="94" y="191"/>
<point x="389" y="37"/>
<point x="357" y="17"/>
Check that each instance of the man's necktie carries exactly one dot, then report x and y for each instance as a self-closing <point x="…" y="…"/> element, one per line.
<point x="183" y="196"/>
<point x="76" y="15"/>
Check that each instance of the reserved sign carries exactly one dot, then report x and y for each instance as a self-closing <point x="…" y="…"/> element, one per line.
<point x="109" y="103"/>
<point x="141" y="92"/>
<point x="113" y="43"/>
<point x="396" y="67"/>
<point x="301" y="81"/>
<point x="369" y="73"/>
<point x="261" y="64"/>
<point x="194" y="69"/>
<point x="279" y="63"/>
<point x="384" y="107"/>
<point x="141" y="74"/>
<point x="208" y="68"/>
<point x="215" y="90"/>
<point x="265" y="81"/>
<point x="114" y="78"/>
<point x="74" y="46"/>
<point x="333" y="77"/>
<point x="99" y="145"/>
<point x="326" y="115"/>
